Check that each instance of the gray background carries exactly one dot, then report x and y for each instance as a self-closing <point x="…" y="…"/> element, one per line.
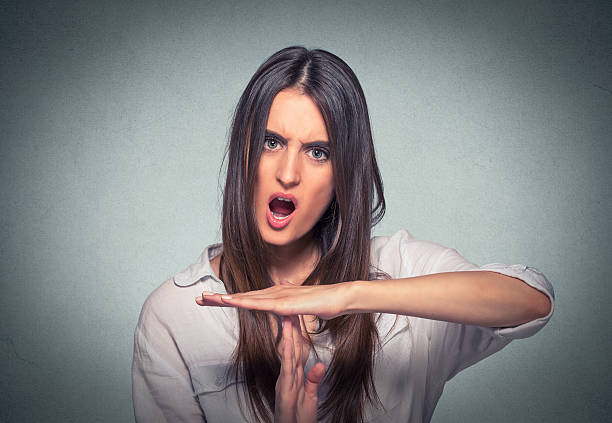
<point x="492" y="124"/>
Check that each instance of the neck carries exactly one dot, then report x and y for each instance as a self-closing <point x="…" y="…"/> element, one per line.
<point x="293" y="262"/>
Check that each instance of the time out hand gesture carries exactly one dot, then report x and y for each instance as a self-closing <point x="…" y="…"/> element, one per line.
<point x="296" y="399"/>
<point x="324" y="301"/>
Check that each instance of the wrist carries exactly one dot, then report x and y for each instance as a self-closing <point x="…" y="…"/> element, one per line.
<point x="354" y="294"/>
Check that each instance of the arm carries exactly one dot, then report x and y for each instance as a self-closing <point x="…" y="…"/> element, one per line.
<point x="482" y="298"/>
<point x="473" y="297"/>
<point x="482" y="307"/>
<point x="428" y="280"/>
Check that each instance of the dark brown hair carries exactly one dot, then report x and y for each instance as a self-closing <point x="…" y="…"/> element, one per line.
<point x="343" y="233"/>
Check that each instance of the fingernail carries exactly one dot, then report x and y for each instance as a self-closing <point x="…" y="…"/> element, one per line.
<point x="207" y="293"/>
<point x="226" y="297"/>
<point x="199" y="299"/>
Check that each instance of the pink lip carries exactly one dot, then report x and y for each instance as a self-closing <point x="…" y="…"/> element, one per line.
<point x="283" y="195"/>
<point x="280" y="223"/>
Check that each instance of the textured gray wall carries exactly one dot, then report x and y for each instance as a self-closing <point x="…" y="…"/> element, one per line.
<point x="492" y="123"/>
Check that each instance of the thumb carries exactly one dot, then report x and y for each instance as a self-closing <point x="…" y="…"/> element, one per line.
<point x="313" y="378"/>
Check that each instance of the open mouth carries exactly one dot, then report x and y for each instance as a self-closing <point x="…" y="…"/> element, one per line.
<point x="281" y="207"/>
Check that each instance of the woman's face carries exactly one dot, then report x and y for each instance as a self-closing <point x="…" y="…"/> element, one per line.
<point x="294" y="184"/>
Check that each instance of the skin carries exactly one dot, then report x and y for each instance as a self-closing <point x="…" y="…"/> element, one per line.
<point x="296" y="398"/>
<point x="291" y="164"/>
<point x="295" y="161"/>
<point x="472" y="297"/>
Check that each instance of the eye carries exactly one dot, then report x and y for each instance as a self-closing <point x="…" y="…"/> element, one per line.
<point x="271" y="143"/>
<point x="318" y="154"/>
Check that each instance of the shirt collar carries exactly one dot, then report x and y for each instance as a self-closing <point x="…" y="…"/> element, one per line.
<point x="201" y="269"/>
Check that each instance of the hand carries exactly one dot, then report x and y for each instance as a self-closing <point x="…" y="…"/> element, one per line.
<point x="296" y="399"/>
<point x="324" y="301"/>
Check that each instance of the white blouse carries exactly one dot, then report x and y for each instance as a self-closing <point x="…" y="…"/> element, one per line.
<point x="182" y="351"/>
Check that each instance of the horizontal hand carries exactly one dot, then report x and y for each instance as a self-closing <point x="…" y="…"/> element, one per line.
<point x="482" y="298"/>
<point x="324" y="301"/>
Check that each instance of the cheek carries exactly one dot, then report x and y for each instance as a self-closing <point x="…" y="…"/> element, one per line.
<point x="330" y="189"/>
<point x="325" y="191"/>
<point x="262" y="175"/>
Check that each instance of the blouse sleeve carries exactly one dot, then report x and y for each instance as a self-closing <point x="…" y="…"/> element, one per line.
<point x="161" y="387"/>
<point x="454" y="346"/>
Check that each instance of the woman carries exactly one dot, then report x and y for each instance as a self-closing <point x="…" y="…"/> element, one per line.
<point x="299" y="288"/>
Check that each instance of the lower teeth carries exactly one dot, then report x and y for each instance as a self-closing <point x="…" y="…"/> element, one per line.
<point x="279" y="216"/>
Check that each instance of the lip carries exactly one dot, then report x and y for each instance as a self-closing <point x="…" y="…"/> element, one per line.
<point x="280" y="223"/>
<point x="283" y="195"/>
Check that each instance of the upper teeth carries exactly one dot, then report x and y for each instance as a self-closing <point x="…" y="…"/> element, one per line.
<point x="284" y="199"/>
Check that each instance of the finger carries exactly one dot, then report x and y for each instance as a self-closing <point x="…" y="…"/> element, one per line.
<point x="262" y="304"/>
<point x="222" y="300"/>
<point x="271" y="292"/>
<point x="304" y="325"/>
<point x="282" y="306"/>
<point x="285" y="384"/>
<point x="210" y="299"/>
<point x="241" y="298"/>
<point x="251" y="293"/>
<point x="265" y="291"/>
<point x="313" y="378"/>
<point x="288" y="354"/>
<point x="299" y="379"/>
<point x="297" y="339"/>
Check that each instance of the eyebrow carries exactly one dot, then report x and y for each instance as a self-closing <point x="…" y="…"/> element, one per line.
<point x="305" y="144"/>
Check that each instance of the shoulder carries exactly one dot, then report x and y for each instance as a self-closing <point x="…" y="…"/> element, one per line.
<point x="171" y="323"/>
<point x="167" y="296"/>
<point x="171" y="306"/>
<point x="402" y="255"/>
<point x="167" y="306"/>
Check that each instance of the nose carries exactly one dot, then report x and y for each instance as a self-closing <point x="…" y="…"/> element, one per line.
<point x="288" y="173"/>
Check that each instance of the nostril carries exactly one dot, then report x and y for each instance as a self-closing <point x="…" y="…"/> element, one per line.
<point x="289" y="178"/>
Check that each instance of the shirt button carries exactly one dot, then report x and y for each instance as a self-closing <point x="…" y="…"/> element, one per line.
<point x="219" y="380"/>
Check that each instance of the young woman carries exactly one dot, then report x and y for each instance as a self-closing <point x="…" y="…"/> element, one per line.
<point x="299" y="315"/>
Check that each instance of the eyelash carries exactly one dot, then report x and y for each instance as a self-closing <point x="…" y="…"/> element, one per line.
<point x="324" y="151"/>
<point x="270" y="139"/>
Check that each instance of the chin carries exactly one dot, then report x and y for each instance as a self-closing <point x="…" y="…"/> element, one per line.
<point x="277" y="239"/>
<point x="280" y="238"/>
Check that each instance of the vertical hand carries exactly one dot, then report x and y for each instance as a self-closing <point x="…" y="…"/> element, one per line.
<point x="296" y="399"/>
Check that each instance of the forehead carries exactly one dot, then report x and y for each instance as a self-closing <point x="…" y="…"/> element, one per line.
<point x="296" y="117"/>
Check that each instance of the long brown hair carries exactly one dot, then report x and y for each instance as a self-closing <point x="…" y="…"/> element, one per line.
<point x="343" y="233"/>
